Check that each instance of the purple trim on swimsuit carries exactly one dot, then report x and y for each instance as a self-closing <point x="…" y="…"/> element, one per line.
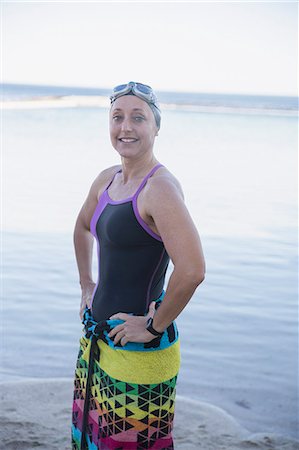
<point x="142" y="184"/>
<point x="105" y="199"/>
<point x="102" y="202"/>
<point x="142" y="222"/>
<point x="152" y="278"/>
<point x="133" y="199"/>
<point x="135" y="207"/>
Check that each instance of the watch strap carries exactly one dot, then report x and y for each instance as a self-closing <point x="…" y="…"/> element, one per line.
<point x="151" y="329"/>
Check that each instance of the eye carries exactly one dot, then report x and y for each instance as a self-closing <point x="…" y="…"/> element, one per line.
<point x="116" y="118"/>
<point x="139" y="118"/>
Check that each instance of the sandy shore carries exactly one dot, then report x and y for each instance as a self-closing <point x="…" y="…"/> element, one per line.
<point x="37" y="414"/>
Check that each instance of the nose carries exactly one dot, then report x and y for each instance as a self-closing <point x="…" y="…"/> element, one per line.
<point x="126" y="124"/>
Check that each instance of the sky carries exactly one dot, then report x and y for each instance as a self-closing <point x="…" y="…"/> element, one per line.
<point x="221" y="47"/>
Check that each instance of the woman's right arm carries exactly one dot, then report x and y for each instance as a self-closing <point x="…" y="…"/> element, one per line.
<point x="83" y="242"/>
<point x="83" y="239"/>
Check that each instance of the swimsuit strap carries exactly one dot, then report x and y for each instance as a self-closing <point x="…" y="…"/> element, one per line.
<point x="143" y="183"/>
<point x="112" y="179"/>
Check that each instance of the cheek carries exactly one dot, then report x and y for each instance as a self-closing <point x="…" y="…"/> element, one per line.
<point x="113" y="136"/>
<point x="113" y="129"/>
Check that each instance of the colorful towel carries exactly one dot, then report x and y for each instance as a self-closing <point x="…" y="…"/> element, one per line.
<point x="124" y="396"/>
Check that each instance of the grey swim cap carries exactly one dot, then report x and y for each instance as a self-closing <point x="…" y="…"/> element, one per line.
<point x="142" y="91"/>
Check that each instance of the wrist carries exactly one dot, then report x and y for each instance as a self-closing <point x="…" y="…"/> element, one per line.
<point x="85" y="282"/>
<point x="151" y="329"/>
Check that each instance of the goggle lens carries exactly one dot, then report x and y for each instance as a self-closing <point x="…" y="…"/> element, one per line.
<point x="119" y="88"/>
<point x="144" y="88"/>
<point x="141" y="90"/>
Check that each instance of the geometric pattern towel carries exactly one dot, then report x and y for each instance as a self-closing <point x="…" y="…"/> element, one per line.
<point x="124" y="397"/>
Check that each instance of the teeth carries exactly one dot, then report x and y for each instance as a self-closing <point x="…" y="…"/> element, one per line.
<point x="127" y="140"/>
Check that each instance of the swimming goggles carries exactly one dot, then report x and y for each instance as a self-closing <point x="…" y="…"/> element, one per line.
<point x="142" y="91"/>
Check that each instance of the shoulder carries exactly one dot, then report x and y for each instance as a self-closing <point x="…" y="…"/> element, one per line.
<point x="163" y="185"/>
<point x="103" y="179"/>
<point x="96" y="189"/>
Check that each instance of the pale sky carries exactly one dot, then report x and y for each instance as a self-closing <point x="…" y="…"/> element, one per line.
<point x="229" y="47"/>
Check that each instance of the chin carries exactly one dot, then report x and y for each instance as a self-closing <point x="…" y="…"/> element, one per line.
<point x="127" y="152"/>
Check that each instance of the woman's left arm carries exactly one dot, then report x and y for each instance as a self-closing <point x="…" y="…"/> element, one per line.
<point x="182" y="242"/>
<point x="165" y="205"/>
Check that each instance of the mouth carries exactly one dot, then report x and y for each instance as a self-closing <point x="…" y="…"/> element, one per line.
<point x="128" y="140"/>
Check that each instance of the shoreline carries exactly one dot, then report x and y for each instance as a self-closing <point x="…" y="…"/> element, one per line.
<point x="97" y="101"/>
<point x="36" y="413"/>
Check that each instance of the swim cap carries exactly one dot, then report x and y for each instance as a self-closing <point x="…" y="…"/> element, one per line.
<point x="142" y="91"/>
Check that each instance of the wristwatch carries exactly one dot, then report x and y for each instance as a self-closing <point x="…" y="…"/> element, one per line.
<point x="151" y="329"/>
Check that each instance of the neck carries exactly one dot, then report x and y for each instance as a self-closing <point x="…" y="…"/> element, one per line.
<point x="137" y="168"/>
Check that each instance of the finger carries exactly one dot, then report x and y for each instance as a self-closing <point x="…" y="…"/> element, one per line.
<point x="120" y="315"/>
<point x="119" y="337"/>
<point x="86" y="302"/>
<point x="151" y="309"/>
<point x="124" y="340"/>
<point x="116" y="330"/>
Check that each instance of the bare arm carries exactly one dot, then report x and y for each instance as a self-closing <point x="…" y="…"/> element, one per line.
<point x="83" y="243"/>
<point x="180" y="237"/>
<point x="83" y="239"/>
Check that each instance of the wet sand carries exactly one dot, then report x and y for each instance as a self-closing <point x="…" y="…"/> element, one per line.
<point x="37" y="414"/>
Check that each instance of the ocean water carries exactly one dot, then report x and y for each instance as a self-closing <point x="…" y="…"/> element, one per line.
<point x="239" y="333"/>
<point x="177" y="100"/>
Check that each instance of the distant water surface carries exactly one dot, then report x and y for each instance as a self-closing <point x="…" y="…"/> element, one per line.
<point x="178" y="99"/>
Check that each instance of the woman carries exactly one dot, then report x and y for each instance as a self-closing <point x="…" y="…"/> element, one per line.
<point x="129" y="357"/>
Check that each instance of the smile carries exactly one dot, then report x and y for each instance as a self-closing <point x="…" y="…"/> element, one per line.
<point x="128" y="140"/>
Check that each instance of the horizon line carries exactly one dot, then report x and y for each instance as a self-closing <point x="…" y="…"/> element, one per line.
<point x="256" y="94"/>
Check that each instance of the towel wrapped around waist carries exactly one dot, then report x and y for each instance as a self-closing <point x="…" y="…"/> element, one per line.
<point x="124" y="396"/>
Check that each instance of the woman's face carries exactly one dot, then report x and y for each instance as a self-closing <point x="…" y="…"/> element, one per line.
<point x="132" y="126"/>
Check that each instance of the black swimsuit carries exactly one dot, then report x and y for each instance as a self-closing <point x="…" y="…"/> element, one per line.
<point x="132" y="258"/>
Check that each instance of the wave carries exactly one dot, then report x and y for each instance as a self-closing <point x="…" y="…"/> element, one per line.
<point x="20" y="96"/>
<point x="98" y="101"/>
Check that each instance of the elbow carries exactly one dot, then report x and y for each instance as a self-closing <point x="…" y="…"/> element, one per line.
<point x="201" y="272"/>
<point x="199" y="277"/>
<point x="192" y="277"/>
<point x="196" y="270"/>
<point x="197" y="273"/>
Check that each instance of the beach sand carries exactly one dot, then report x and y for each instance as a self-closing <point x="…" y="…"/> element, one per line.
<point x="37" y="414"/>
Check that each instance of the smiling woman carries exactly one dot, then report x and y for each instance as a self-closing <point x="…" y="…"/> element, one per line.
<point x="132" y="126"/>
<point x="129" y="357"/>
